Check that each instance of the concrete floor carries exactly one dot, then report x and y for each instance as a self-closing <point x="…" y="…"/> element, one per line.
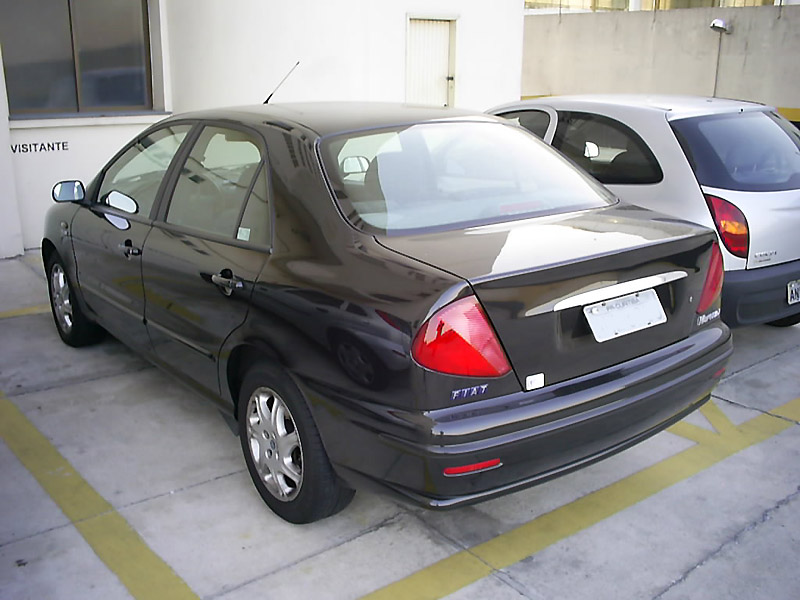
<point x="118" y="483"/>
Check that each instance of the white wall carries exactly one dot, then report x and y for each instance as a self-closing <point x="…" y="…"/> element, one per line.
<point x="10" y="227"/>
<point x="348" y="50"/>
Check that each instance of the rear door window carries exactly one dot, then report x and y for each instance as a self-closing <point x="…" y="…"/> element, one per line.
<point x="746" y="151"/>
<point x="611" y="151"/>
<point x="214" y="184"/>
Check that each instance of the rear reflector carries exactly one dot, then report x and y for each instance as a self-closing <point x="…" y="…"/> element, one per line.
<point x="458" y="340"/>
<point x="731" y="224"/>
<point x="713" y="284"/>
<point x="473" y="468"/>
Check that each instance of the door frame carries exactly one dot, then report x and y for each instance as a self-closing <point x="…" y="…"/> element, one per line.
<point x="452" y="20"/>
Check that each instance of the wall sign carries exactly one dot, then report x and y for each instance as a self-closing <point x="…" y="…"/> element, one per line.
<point x="40" y="147"/>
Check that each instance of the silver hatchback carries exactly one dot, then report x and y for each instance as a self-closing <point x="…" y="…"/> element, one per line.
<point x="730" y="165"/>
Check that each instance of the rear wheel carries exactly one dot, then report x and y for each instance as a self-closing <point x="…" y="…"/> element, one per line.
<point x="72" y="324"/>
<point x="786" y="321"/>
<point x="283" y="449"/>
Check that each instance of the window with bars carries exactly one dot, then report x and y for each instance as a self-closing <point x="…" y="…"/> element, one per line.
<point x="75" y="56"/>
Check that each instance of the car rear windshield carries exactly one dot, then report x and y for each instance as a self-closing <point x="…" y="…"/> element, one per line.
<point x="747" y="151"/>
<point x="446" y="175"/>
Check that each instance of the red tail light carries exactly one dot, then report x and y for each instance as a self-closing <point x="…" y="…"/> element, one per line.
<point x="731" y="224"/>
<point x="713" y="284"/>
<point x="459" y="340"/>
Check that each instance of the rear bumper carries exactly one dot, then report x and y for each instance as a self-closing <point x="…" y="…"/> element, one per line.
<point x="754" y="296"/>
<point x="536" y="435"/>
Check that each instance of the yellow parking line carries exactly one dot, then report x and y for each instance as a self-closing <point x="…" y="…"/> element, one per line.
<point x="468" y="566"/>
<point x="793" y="114"/>
<point x="28" y="310"/>
<point x="114" y="541"/>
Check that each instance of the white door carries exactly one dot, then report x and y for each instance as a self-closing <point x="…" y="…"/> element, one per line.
<point x="429" y="62"/>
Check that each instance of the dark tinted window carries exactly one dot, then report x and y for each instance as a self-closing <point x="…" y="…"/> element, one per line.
<point x="215" y="181"/>
<point x="447" y="175"/>
<point x="66" y="57"/>
<point x="749" y="151"/>
<point x="611" y="151"/>
<point x="140" y="169"/>
<point x="535" y="121"/>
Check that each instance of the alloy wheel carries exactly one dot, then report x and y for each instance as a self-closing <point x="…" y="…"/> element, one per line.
<point x="274" y="444"/>
<point x="62" y="303"/>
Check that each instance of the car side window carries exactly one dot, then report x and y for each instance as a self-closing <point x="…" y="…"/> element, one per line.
<point x="535" y="121"/>
<point x="214" y="183"/>
<point x="255" y="224"/>
<point x="140" y="169"/>
<point x="609" y="150"/>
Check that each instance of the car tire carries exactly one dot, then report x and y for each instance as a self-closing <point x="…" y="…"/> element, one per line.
<point x="359" y="362"/>
<point x="73" y="326"/>
<point x="786" y="321"/>
<point x="283" y="449"/>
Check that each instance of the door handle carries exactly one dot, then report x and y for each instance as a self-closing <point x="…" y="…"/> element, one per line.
<point x="227" y="281"/>
<point x="128" y="249"/>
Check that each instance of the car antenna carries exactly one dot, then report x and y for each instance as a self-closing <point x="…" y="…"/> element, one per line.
<point x="281" y="82"/>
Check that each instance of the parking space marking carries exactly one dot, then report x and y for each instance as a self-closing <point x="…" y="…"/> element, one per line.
<point x="468" y="566"/>
<point x="39" y="309"/>
<point x="113" y="540"/>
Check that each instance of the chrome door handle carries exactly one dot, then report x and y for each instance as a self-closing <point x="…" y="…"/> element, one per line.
<point x="128" y="249"/>
<point x="226" y="280"/>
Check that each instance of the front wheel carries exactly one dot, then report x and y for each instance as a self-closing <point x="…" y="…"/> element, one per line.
<point x="283" y="449"/>
<point x="74" y="327"/>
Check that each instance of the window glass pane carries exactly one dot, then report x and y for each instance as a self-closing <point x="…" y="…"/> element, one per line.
<point x="610" y="151"/>
<point x="535" y="121"/>
<point x="37" y="56"/>
<point x="215" y="181"/>
<point x="447" y="175"/>
<point x="139" y="171"/>
<point x="255" y="225"/>
<point x="748" y="151"/>
<point x="110" y="39"/>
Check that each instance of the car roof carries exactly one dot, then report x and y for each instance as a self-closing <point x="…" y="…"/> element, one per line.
<point x="326" y="118"/>
<point x="673" y="106"/>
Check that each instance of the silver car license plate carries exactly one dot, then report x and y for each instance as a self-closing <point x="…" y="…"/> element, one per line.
<point x="793" y="291"/>
<point x="620" y="316"/>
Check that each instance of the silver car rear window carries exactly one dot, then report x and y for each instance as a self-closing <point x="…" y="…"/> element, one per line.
<point x="447" y="175"/>
<point x="747" y="151"/>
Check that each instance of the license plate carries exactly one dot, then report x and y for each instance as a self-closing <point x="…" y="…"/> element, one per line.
<point x="793" y="291"/>
<point x="627" y="314"/>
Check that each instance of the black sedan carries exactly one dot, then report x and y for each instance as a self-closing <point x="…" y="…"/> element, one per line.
<point x="423" y="301"/>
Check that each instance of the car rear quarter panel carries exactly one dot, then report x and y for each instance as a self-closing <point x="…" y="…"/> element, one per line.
<point x="317" y="254"/>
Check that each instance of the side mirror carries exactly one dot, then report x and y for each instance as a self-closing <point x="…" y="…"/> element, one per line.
<point x="122" y="202"/>
<point x="69" y="191"/>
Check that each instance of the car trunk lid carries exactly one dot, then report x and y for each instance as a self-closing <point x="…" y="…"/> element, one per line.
<point x="534" y="279"/>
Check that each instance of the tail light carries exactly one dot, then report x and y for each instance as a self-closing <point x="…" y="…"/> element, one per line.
<point x="713" y="285"/>
<point x="458" y="340"/>
<point x="731" y="224"/>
